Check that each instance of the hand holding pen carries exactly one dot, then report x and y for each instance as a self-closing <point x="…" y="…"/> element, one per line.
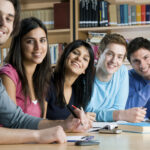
<point x="79" y="113"/>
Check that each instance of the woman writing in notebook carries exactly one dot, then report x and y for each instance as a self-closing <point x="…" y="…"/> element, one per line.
<point x="71" y="81"/>
<point x="27" y="72"/>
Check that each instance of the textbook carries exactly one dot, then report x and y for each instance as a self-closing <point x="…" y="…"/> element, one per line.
<point x="142" y="127"/>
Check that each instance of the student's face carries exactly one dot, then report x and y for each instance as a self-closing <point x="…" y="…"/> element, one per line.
<point x="78" y="61"/>
<point x="140" y="61"/>
<point x="111" y="59"/>
<point x="7" y="14"/>
<point x="34" y="46"/>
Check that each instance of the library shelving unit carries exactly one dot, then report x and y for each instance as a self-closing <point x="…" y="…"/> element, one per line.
<point x="54" y="35"/>
<point x="58" y="35"/>
<point x="128" y="31"/>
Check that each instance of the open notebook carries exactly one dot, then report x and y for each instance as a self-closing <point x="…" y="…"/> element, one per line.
<point x="99" y="125"/>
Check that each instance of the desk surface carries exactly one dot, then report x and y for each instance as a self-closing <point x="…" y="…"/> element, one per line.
<point x="123" y="141"/>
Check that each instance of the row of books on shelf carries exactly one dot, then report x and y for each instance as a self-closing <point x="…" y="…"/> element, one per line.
<point x="45" y="15"/>
<point x="57" y="17"/>
<point x="94" y="13"/>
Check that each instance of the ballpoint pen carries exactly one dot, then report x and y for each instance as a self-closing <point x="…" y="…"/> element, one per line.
<point x="72" y="112"/>
<point x="87" y="138"/>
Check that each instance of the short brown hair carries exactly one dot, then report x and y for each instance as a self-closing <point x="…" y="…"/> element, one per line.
<point x="111" y="38"/>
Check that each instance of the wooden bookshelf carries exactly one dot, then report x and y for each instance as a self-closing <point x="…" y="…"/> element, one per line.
<point x="54" y="35"/>
<point x="128" y="31"/>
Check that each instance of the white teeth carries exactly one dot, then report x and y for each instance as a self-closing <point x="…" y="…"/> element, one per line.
<point x="37" y="54"/>
<point x="1" y="33"/>
<point x="111" y="66"/>
<point x="76" y="64"/>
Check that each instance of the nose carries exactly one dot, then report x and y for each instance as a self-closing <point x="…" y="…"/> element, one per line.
<point x="142" y="64"/>
<point x="79" y="58"/>
<point x="2" y="20"/>
<point x="37" y="45"/>
<point x="114" y="59"/>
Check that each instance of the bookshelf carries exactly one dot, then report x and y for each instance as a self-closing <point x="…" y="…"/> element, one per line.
<point x="54" y="35"/>
<point x="128" y="31"/>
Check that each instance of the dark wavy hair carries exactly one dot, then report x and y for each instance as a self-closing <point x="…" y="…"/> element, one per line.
<point x="16" y="5"/>
<point x="136" y="44"/>
<point x="42" y="72"/>
<point x="83" y="84"/>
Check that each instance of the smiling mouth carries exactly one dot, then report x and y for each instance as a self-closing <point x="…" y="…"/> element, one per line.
<point x="2" y="32"/>
<point x="76" y="64"/>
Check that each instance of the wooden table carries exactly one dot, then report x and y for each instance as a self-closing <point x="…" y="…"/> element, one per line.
<point x="123" y="141"/>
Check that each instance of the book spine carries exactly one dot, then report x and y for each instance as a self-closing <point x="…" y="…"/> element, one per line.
<point x="129" y="14"/>
<point x="118" y="15"/>
<point x="138" y="14"/>
<point x="143" y="14"/>
<point x="133" y="14"/>
<point x="125" y="14"/>
<point x="147" y="14"/>
<point x="121" y="14"/>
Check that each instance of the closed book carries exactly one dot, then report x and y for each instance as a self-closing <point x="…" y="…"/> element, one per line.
<point x="81" y="13"/>
<point x="99" y="13"/>
<point x="125" y="14"/>
<point x="138" y="14"/>
<point x="133" y="14"/>
<point x="62" y="15"/>
<point x="147" y="14"/>
<point x="143" y="14"/>
<point x="118" y="15"/>
<point x="129" y="14"/>
<point x="142" y="127"/>
<point x="112" y="15"/>
<point x="121" y="14"/>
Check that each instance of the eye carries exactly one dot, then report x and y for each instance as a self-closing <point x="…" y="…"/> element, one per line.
<point x="120" y="57"/>
<point x="146" y="57"/>
<point x="136" y="62"/>
<point x="43" y="40"/>
<point x="30" y="41"/>
<point x="9" y="19"/>
<point x="75" y="52"/>
<point x="86" y="59"/>
<point x="109" y="54"/>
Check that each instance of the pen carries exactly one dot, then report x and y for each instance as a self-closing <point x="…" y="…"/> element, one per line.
<point x="76" y="108"/>
<point x="87" y="138"/>
<point x="72" y="112"/>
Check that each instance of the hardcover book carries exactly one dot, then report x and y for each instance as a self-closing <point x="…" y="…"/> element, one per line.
<point x="62" y="15"/>
<point x="142" y="127"/>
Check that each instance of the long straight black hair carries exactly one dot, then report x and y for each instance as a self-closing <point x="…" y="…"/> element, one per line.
<point x="83" y="84"/>
<point x="42" y="72"/>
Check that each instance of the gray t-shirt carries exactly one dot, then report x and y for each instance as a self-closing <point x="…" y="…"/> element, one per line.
<point x="11" y="116"/>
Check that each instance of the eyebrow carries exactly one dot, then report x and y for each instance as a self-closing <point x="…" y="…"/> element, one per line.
<point x="86" y="55"/>
<point x="29" y="37"/>
<point x="11" y="15"/>
<point x="117" y="54"/>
